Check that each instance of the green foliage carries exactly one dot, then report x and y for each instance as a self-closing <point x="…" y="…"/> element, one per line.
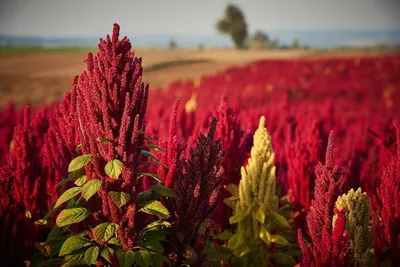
<point x="119" y="198"/>
<point x="163" y="190"/>
<point x="91" y="255"/>
<point x="79" y="162"/>
<point x="155" y="207"/>
<point x="114" y="168"/>
<point x="71" y="216"/>
<point x="104" y="231"/>
<point x="72" y="244"/>
<point x="91" y="188"/>
<point x="234" y="24"/>
<point x="67" y="195"/>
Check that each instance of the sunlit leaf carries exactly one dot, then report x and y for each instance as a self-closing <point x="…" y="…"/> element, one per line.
<point x="265" y="236"/>
<point x="91" y="255"/>
<point x="72" y="244"/>
<point x="91" y="188"/>
<point x="119" y="198"/>
<point x="81" y="180"/>
<point x="67" y="195"/>
<point x="237" y="217"/>
<point x="155" y="207"/>
<point x="104" y="231"/>
<point x="126" y="258"/>
<point x="260" y="215"/>
<point x="106" y="254"/>
<point x="70" y="216"/>
<point x="114" y="168"/>
<point x="79" y="162"/>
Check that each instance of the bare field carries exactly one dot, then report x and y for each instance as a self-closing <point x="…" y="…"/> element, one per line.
<point x="38" y="78"/>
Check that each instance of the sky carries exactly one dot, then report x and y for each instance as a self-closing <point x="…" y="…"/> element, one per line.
<point x="80" y="18"/>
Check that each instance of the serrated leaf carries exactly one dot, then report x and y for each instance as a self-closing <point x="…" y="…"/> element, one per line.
<point x="153" y="246"/>
<point x="91" y="188"/>
<point x="104" y="231"/>
<point x="237" y="217"/>
<point x="67" y="195"/>
<point x="114" y="168"/>
<point x="119" y="198"/>
<point x="70" y="216"/>
<point x="81" y="180"/>
<point x="79" y="162"/>
<point x="142" y="196"/>
<point x="154" y="163"/>
<point x="155" y="207"/>
<point x="142" y="258"/>
<point x="106" y="254"/>
<point x="163" y="190"/>
<point x="152" y="175"/>
<point x="260" y="215"/>
<point x="278" y="239"/>
<point x="91" y="255"/>
<point x="149" y="154"/>
<point x="154" y="147"/>
<point x="126" y="258"/>
<point x="73" y="243"/>
<point x="265" y="236"/>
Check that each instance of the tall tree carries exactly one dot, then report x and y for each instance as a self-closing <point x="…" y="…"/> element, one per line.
<point x="234" y="24"/>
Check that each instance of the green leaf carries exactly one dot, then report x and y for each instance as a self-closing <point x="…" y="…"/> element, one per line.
<point x="119" y="198"/>
<point x="142" y="258"/>
<point x="237" y="217"/>
<point x="79" y="162"/>
<point x="103" y="140"/>
<point x="142" y="196"/>
<point x="157" y="224"/>
<point x="72" y="244"/>
<point x="152" y="175"/>
<point x="67" y="195"/>
<point x="158" y="259"/>
<point x="78" y="148"/>
<point x="71" y="176"/>
<point x="114" y="241"/>
<point x="155" y="163"/>
<point x="91" y="188"/>
<point x="55" y="248"/>
<point x="70" y="216"/>
<point x="280" y="219"/>
<point x="75" y="259"/>
<point x="153" y="245"/>
<point x="106" y="254"/>
<point x="91" y="255"/>
<point x="233" y="189"/>
<point x="50" y="262"/>
<point x="155" y="207"/>
<point x="224" y="235"/>
<point x="149" y="154"/>
<point x="104" y="231"/>
<point x="278" y="239"/>
<point x="241" y="251"/>
<point x="126" y="258"/>
<point x="283" y="258"/>
<point x="236" y="241"/>
<point x="265" y="236"/>
<point x="163" y="190"/>
<point x="155" y="235"/>
<point x="81" y="180"/>
<point x="154" y="147"/>
<point x="64" y="181"/>
<point x="260" y="215"/>
<point x="114" y="168"/>
<point x="54" y="234"/>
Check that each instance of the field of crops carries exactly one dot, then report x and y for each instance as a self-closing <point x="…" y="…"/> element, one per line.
<point x="276" y="163"/>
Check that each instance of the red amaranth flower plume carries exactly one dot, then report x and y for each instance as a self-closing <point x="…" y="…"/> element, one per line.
<point x="110" y="107"/>
<point x="236" y="144"/>
<point x="329" y="244"/>
<point x="197" y="186"/>
<point x="387" y="232"/>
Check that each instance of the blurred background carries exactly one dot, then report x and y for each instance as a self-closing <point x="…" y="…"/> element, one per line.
<point x="43" y="43"/>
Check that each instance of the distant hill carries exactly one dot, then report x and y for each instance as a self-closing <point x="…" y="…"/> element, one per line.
<point x="317" y="39"/>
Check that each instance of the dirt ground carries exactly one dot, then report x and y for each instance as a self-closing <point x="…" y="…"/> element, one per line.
<point x="38" y="78"/>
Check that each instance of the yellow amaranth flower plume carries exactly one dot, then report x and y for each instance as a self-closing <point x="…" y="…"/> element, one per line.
<point x="256" y="208"/>
<point x="356" y="205"/>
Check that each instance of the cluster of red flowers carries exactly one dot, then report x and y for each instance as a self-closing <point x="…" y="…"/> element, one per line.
<point x="108" y="109"/>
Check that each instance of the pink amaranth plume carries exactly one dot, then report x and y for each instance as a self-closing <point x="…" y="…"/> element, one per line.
<point x="329" y="245"/>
